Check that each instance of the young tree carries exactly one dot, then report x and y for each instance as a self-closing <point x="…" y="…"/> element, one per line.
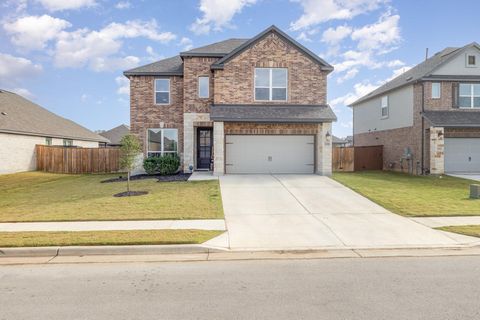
<point x="129" y="150"/>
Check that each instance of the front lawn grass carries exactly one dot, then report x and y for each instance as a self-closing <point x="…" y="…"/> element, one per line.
<point x="419" y="196"/>
<point x="470" y="230"/>
<point x="97" y="238"/>
<point x="38" y="196"/>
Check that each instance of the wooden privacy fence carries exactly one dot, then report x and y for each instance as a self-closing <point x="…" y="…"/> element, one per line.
<point x="77" y="160"/>
<point x="357" y="158"/>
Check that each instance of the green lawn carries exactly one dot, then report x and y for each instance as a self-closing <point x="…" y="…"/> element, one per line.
<point x="413" y="195"/>
<point x="472" y="230"/>
<point x="91" y="238"/>
<point x="38" y="196"/>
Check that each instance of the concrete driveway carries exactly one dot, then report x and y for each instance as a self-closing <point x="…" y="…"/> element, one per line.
<point x="311" y="211"/>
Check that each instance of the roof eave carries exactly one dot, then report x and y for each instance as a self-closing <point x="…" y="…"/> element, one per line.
<point x="49" y="135"/>
<point x="198" y="54"/>
<point x="170" y="74"/>
<point x="273" y="120"/>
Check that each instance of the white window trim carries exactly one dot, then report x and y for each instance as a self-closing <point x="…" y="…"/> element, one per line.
<point x="155" y="92"/>
<point x="67" y="142"/>
<point x="467" y="64"/>
<point x="162" y="152"/>
<point x="471" y="96"/>
<point x="208" y="87"/>
<point x="439" y="90"/>
<point x="271" y="87"/>
<point x="387" y="107"/>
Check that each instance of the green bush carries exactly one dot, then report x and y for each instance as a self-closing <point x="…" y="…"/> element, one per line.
<point x="164" y="165"/>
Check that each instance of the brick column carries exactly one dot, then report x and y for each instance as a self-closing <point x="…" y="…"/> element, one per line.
<point x="188" y="141"/>
<point x="324" y="149"/>
<point x="437" y="150"/>
<point x="218" y="148"/>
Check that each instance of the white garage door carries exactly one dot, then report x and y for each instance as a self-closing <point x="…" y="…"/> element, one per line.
<point x="269" y="154"/>
<point x="462" y="155"/>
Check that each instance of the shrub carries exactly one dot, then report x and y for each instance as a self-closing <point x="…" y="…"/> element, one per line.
<point x="164" y="165"/>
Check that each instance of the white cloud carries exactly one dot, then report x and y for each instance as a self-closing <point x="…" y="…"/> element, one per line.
<point x="33" y="32"/>
<point x="350" y="74"/>
<point x="306" y="35"/>
<point x="333" y="36"/>
<point x="15" y="69"/>
<point x="59" y="5"/>
<point x="380" y="36"/>
<point x="217" y="14"/>
<point x="84" y="97"/>
<point x="348" y="124"/>
<point x="123" y="85"/>
<point x="187" y="43"/>
<point x="23" y="92"/>
<point x="123" y="5"/>
<point x="97" y="48"/>
<point x="319" y="11"/>
<point x="359" y="90"/>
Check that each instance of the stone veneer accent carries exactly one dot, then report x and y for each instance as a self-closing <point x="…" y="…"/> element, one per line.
<point x="145" y="114"/>
<point x="219" y="148"/>
<point x="307" y="83"/>
<point x="437" y="150"/>
<point x="324" y="149"/>
<point x="191" y="122"/>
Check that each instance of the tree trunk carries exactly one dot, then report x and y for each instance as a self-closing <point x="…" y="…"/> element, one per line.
<point x="128" y="182"/>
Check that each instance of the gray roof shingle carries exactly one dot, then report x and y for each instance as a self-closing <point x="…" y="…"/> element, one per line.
<point x="116" y="134"/>
<point x="416" y="73"/>
<point x="21" y="116"/>
<point x="273" y="113"/>
<point x="218" y="49"/>
<point x="459" y="118"/>
<point x="168" y="67"/>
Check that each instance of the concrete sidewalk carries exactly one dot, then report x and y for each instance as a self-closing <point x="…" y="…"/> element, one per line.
<point x="436" y="222"/>
<point x="207" y="224"/>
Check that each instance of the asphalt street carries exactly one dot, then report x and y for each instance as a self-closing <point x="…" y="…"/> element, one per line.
<point x="374" y="288"/>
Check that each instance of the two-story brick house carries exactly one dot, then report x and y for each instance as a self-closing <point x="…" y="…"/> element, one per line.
<point x="238" y="106"/>
<point x="428" y="118"/>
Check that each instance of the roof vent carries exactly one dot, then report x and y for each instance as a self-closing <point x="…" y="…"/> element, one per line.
<point x="409" y="78"/>
<point x="4" y="113"/>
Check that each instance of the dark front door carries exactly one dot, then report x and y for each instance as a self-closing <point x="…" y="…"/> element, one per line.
<point x="204" y="147"/>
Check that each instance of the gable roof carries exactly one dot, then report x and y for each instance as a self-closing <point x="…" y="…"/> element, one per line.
<point x="217" y="49"/>
<point x="219" y="64"/>
<point x="21" y="116"/>
<point x="418" y="72"/>
<point x="167" y="67"/>
<point x="116" y="134"/>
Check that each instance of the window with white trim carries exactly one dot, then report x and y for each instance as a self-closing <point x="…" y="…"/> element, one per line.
<point x="469" y="95"/>
<point x="162" y="141"/>
<point x="271" y="84"/>
<point x="436" y="90"/>
<point x="48" y="141"/>
<point x="162" y="91"/>
<point x="203" y="87"/>
<point x="384" y="107"/>
<point x="67" y="142"/>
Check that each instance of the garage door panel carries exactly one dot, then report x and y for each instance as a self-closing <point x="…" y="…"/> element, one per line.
<point x="269" y="154"/>
<point x="462" y="155"/>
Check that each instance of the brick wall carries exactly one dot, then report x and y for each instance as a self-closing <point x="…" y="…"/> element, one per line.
<point x="145" y="114"/>
<point x="307" y="83"/>
<point x="195" y="67"/>
<point x="269" y="128"/>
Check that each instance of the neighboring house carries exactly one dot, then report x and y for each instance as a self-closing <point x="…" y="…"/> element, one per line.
<point x="428" y="118"/>
<point x="237" y="106"/>
<point x="349" y="141"/>
<point x="338" y="142"/>
<point x="115" y="135"/>
<point x="24" y="124"/>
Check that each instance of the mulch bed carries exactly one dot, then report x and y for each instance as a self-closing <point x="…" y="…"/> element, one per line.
<point x="169" y="178"/>
<point x="130" y="194"/>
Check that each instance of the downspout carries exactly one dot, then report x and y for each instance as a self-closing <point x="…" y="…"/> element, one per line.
<point x="423" y="128"/>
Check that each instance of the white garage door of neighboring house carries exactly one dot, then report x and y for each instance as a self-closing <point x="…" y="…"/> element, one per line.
<point x="269" y="154"/>
<point x="462" y="155"/>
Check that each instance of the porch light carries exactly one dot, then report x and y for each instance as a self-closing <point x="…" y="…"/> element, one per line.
<point x="440" y="134"/>
<point x="327" y="135"/>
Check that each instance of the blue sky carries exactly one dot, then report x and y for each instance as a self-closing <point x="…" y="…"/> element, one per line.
<point x="68" y="56"/>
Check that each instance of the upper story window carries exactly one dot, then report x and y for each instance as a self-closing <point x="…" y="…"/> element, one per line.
<point x="67" y="142"/>
<point x="471" y="60"/>
<point x="271" y="84"/>
<point x="203" y="87"/>
<point x="436" y="90"/>
<point x="162" y="141"/>
<point x="48" y="141"/>
<point x="162" y="91"/>
<point x="384" y="107"/>
<point x="469" y="95"/>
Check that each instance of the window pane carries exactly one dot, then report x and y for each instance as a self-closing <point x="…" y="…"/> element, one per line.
<point x="476" y="89"/>
<point x="262" y="94"/>
<point x="385" y="101"/>
<point x="262" y="77"/>
<point x="162" y="85"/>
<point x="465" y="89"/>
<point x="279" y="77"/>
<point x="203" y="87"/>
<point x="471" y="60"/>
<point x="385" y="112"/>
<point x="465" y="102"/>
<point x="279" y="94"/>
<point x="154" y="140"/>
<point x="162" y="97"/>
<point x="170" y="140"/>
<point x="436" y="90"/>
<point x="476" y="102"/>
